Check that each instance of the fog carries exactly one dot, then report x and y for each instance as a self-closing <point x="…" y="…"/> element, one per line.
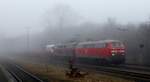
<point x="18" y="14"/>
<point x="30" y="25"/>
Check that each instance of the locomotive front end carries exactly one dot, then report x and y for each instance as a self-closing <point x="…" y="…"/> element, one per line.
<point x="117" y="51"/>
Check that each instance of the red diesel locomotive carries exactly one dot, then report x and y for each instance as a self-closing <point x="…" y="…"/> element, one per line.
<point x="106" y="51"/>
<point x="94" y="52"/>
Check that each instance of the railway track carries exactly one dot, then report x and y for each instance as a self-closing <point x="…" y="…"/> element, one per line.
<point x="137" y="73"/>
<point x="137" y="67"/>
<point x="19" y="73"/>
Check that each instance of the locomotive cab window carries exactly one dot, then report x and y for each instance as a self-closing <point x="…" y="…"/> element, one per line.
<point x="79" y="46"/>
<point x="117" y="44"/>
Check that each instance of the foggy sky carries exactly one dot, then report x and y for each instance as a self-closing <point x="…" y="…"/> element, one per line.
<point x="17" y="15"/>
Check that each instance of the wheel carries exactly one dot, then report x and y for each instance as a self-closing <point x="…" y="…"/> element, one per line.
<point x="103" y="62"/>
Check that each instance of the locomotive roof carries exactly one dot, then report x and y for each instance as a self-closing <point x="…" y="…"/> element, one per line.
<point x="88" y="42"/>
<point x="51" y="45"/>
<point x="102" y="41"/>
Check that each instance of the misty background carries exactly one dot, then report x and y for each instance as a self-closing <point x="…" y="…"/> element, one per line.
<point x="30" y="25"/>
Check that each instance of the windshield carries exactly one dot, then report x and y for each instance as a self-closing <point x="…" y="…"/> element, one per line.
<point x="117" y="44"/>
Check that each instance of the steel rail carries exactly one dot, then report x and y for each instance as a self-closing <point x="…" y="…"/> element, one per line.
<point x="20" y="74"/>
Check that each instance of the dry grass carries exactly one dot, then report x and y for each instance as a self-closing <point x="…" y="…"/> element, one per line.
<point x="57" y="74"/>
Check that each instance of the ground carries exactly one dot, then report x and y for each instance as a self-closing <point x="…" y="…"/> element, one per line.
<point x="52" y="73"/>
<point x="2" y="75"/>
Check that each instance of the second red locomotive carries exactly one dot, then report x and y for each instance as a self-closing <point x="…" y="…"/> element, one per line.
<point x="94" y="52"/>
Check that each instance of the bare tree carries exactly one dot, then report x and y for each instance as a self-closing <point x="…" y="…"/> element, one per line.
<point x="58" y="20"/>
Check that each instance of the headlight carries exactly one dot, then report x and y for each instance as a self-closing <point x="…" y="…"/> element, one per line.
<point x="113" y="54"/>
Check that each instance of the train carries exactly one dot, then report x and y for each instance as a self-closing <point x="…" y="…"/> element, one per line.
<point x="90" y="52"/>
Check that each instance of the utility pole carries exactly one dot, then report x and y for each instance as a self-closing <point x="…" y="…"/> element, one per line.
<point x="28" y="38"/>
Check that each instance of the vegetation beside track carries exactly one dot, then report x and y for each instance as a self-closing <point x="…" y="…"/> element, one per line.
<point x="53" y="73"/>
<point x="3" y="77"/>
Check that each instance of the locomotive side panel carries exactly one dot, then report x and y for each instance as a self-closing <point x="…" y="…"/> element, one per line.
<point x="91" y="53"/>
